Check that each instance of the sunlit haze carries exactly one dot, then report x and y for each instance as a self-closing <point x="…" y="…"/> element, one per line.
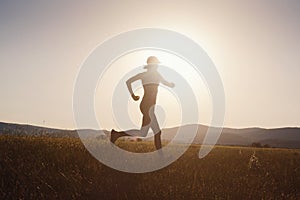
<point x="254" y="45"/>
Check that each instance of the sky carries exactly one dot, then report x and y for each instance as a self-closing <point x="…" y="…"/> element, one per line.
<point x="254" y="45"/>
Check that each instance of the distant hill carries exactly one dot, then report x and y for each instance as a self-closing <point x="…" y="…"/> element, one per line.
<point x="30" y="130"/>
<point x="279" y="137"/>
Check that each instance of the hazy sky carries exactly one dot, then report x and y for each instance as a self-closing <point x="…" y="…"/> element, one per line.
<point x="254" y="44"/>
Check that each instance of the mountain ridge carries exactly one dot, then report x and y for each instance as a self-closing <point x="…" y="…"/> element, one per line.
<point x="284" y="137"/>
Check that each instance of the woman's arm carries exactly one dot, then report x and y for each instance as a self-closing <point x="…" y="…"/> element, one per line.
<point x="166" y="83"/>
<point x="128" y="83"/>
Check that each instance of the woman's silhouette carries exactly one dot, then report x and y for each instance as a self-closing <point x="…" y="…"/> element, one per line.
<point x="150" y="80"/>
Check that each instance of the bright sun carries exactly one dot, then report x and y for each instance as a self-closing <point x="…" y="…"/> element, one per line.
<point x="168" y="109"/>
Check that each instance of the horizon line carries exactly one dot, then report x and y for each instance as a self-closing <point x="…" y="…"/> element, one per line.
<point x="75" y="129"/>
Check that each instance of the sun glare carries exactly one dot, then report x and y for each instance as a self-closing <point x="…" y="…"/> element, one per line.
<point x="168" y="105"/>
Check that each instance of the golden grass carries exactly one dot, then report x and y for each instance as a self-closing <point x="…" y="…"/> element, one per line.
<point x="61" y="168"/>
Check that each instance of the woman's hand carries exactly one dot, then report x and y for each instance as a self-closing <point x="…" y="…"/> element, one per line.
<point x="136" y="98"/>
<point x="171" y="85"/>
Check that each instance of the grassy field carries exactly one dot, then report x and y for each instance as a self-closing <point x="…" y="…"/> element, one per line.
<point x="61" y="168"/>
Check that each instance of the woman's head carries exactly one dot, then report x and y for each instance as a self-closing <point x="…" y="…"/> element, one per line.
<point x="152" y="60"/>
<point x="152" y="63"/>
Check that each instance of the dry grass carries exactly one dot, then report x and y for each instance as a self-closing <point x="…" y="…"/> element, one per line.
<point x="61" y="168"/>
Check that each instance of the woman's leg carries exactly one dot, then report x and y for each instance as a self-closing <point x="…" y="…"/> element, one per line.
<point x="133" y="132"/>
<point x="149" y="121"/>
<point x="138" y="132"/>
<point x="156" y="129"/>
